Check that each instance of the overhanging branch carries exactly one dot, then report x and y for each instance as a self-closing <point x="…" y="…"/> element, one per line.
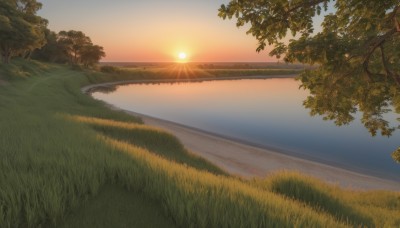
<point x="374" y="44"/>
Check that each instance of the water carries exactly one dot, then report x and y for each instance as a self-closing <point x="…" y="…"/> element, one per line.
<point x="263" y="112"/>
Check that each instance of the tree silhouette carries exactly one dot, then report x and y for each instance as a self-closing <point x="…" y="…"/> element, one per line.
<point x="73" y="43"/>
<point x="91" y="54"/>
<point x="79" y="48"/>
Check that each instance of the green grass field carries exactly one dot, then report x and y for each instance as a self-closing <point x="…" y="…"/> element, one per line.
<point x="68" y="161"/>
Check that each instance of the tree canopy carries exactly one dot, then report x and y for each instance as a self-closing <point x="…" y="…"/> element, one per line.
<point x="91" y="54"/>
<point x="52" y="51"/>
<point x="359" y="36"/>
<point x="23" y="33"/>
<point x="356" y="49"/>
<point x="72" y="47"/>
<point x="79" y="48"/>
<point x="21" y="30"/>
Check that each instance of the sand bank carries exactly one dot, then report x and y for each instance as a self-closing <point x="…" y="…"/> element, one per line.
<point x="249" y="161"/>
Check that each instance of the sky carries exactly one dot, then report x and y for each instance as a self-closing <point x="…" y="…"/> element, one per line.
<point x="155" y="30"/>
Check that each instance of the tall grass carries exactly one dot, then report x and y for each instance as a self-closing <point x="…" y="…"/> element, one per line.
<point x="155" y="140"/>
<point x="59" y="148"/>
<point x="199" y="199"/>
<point x="369" y="208"/>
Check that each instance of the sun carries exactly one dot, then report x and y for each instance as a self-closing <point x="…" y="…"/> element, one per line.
<point x="182" y="56"/>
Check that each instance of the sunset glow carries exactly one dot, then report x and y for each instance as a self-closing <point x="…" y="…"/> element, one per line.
<point x="130" y="33"/>
<point x="182" y="56"/>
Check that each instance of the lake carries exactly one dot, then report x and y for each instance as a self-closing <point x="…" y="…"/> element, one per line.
<point x="266" y="113"/>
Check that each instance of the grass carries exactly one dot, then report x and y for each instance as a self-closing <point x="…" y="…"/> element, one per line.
<point x="153" y="139"/>
<point x="68" y="161"/>
<point x="369" y="208"/>
<point x="121" y="208"/>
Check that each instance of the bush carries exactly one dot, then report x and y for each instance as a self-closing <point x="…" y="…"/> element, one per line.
<point x="109" y="69"/>
<point x="76" y="67"/>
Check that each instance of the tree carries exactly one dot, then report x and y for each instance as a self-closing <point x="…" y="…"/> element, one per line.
<point x="357" y="53"/>
<point x="53" y="51"/>
<point x="359" y="34"/>
<point x="91" y="54"/>
<point x="73" y="43"/>
<point x="21" y="30"/>
<point x="339" y="99"/>
<point x="79" y="48"/>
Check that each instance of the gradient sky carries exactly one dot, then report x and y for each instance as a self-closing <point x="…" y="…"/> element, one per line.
<point x="155" y="30"/>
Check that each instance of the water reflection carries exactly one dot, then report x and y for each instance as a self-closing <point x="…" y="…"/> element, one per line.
<point x="340" y="98"/>
<point x="106" y="89"/>
<point x="270" y="113"/>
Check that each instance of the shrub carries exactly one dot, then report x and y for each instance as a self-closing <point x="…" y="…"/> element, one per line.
<point x="109" y="69"/>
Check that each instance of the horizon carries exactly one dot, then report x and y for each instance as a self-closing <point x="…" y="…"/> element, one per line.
<point x="266" y="62"/>
<point x="139" y="32"/>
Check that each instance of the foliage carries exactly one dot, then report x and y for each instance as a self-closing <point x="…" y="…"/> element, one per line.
<point x="396" y="155"/>
<point x="72" y="47"/>
<point x="339" y="99"/>
<point x="53" y="51"/>
<point x="358" y="34"/>
<point x="73" y="43"/>
<point x="109" y="69"/>
<point x="91" y="54"/>
<point x="356" y="51"/>
<point x="22" y="33"/>
<point x="79" y="48"/>
<point x="21" y="30"/>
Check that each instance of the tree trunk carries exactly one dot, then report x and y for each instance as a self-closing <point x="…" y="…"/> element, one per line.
<point x="8" y="54"/>
<point x="6" y="57"/>
<point x="28" y="54"/>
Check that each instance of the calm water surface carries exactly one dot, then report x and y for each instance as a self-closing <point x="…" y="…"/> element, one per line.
<point x="263" y="112"/>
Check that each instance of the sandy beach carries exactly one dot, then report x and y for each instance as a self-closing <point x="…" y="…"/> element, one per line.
<point x="249" y="161"/>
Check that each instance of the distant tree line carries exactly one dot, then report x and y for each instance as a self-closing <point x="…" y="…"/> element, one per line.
<point x="25" y="34"/>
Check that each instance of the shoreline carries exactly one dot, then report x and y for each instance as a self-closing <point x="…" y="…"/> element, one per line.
<point x="250" y="161"/>
<point x="89" y="88"/>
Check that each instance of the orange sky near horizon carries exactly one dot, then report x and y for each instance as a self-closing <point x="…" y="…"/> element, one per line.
<point x="155" y="30"/>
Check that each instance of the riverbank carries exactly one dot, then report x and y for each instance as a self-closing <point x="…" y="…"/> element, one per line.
<point x="248" y="161"/>
<point x="241" y="159"/>
<point x="66" y="157"/>
<point x="89" y="88"/>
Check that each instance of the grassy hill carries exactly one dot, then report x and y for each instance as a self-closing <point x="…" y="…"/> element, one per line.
<point x="68" y="161"/>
